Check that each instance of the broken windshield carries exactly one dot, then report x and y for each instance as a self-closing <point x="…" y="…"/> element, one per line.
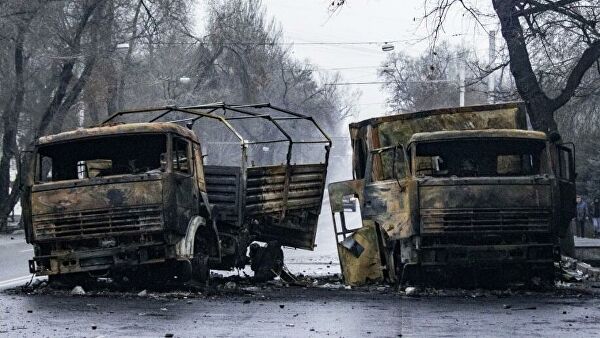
<point x="480" y="157"/>
<point x="101" y="157"/>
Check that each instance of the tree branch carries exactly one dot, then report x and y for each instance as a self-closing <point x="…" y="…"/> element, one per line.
<point x="589" y="57"/>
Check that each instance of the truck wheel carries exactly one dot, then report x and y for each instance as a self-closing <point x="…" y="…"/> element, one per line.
<point x="266" y="262"/>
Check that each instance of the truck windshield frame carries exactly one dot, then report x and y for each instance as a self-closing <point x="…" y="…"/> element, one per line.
<point x="479" y="157"/>
<point x="388" y="163"/>
<point x="103" y="156"/>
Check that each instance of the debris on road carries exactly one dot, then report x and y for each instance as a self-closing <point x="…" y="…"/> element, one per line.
<point x="78" y="291"/>
<point x="410" y="291"/>
<point x="574" y="270"/>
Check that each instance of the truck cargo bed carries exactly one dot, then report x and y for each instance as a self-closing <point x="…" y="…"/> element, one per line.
<point x="283" y="201"/>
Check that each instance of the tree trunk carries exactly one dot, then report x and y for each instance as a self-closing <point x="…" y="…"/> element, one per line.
<point x="127" y="61"/>
<point x="538" y="104"/>
<point x="73" y="95"/>
<point x="58" y="103"/>
<point x="10" y="120"/>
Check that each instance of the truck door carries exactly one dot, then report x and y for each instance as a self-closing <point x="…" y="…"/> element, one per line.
<point x="186" y="189"/>
<point x="566" y="183"/>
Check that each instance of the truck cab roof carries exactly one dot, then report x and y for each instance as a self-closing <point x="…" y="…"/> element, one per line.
<point x="117" y="129"/>
<point x="486" y="133"/>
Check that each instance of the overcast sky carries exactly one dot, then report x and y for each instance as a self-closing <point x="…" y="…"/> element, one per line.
<point x="364" y="21"/>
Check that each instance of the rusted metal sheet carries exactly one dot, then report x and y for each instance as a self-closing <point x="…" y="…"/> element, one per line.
<point x="98" y="223"/>
<point x="224" y="190"/>
<point x="398" y="129"/>
<point x="338" y="190"/>
<point x="360" y="257"/>
<point x="55" y="198"/>
<point x="358" y="248"/>
<point x="265" y="188"/>
<point x="118" y="129"/>
<point x="287" y="215"/>
<point x="264" y="198"/>
<point x="388" y="205"/>
<point x="486" y="133"/>
<point x="496" y="192"/>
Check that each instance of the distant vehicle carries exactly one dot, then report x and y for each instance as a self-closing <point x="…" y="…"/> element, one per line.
<point x="135" y="199"/>
<point x="454" y="194"/>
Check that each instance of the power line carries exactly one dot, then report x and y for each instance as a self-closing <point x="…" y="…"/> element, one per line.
<point x="293" y="43"/>
<point x="383" y="82"/>
<point x="348" y="68"/>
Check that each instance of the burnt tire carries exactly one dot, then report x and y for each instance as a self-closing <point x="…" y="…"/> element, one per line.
<point x="266" y="262"/>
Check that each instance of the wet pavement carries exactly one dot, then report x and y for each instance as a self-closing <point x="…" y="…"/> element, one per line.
<point x="300" y="312"/>
<point x="14" y="254"/>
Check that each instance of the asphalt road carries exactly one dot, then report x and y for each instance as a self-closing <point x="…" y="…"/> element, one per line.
<point x="298" y="312"/>
<point x="14" y="255"/>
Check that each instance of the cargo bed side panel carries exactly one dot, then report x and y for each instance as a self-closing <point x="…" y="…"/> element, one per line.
<point x="288" y="214"/>
<point x="223" y="188"/>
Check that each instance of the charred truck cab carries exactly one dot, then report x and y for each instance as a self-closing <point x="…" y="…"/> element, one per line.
<point x="452" y="195"/>
<point x="129" y="197"/>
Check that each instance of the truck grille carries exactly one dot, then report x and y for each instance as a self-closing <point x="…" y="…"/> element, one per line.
<point x="98" y="223"/>
<point x="485" y="220"/>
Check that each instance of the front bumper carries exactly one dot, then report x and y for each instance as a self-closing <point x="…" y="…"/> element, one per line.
<point x="119" y="257"/>
<point x="487" y="255"/>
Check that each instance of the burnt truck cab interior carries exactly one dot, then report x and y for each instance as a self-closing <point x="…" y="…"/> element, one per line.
<point x="104" y="157"/>
<point x="479" y="154"/>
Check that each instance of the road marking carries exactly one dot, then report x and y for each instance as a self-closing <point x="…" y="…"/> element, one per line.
<point x="27" y="250"/>
<point x="15" y="280"/>
<point x="19" y="280"/>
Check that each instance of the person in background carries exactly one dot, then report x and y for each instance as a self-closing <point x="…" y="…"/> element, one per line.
<point x="596" y="216"/>
<point x="582" y="216"/>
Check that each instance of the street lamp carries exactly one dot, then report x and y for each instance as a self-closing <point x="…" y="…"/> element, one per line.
<point x="387" y="47"/>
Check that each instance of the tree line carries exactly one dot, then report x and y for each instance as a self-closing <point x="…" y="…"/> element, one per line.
<point x="71" y="63"/>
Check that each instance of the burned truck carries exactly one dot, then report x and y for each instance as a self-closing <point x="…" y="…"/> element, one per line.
<point x="464" y="194"/>
<point x="174" y="192"/>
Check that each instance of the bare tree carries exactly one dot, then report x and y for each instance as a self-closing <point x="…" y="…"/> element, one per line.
<point x="551" y="45"/>
<point x="67" y="65"/>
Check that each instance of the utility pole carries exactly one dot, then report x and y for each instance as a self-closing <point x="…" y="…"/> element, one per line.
<point x="462" y="59"/>
<point x="461" y="81"/>
<point x="491" y="82"/>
